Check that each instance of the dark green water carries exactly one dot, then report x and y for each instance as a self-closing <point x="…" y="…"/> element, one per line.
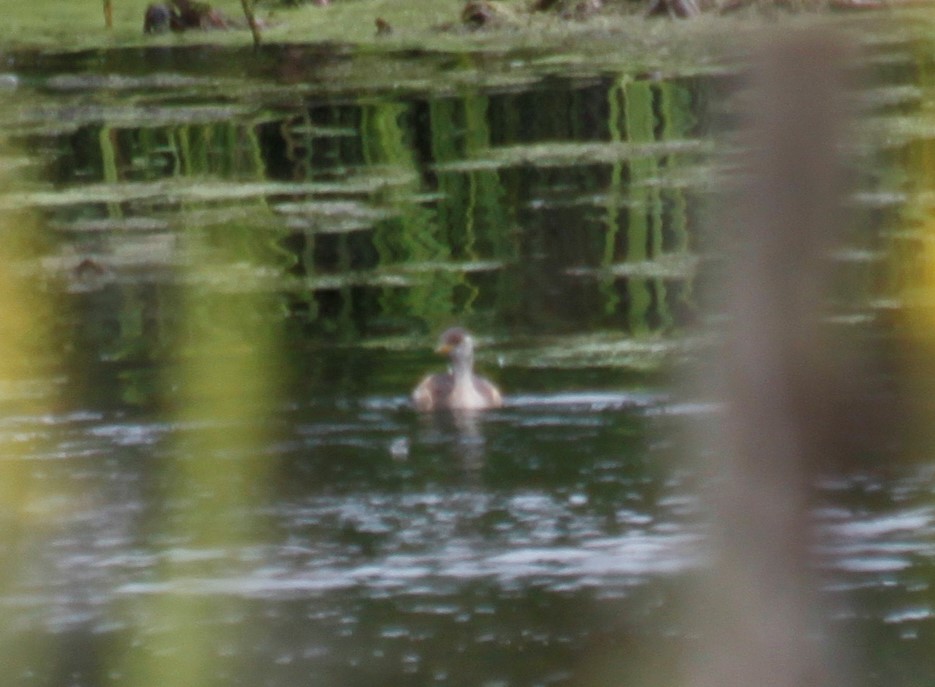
<point x="350" y="207"/>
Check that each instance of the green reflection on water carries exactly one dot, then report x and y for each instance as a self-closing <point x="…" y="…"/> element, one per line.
<point x="340" y="234"/>
<point x="401" y="215"/>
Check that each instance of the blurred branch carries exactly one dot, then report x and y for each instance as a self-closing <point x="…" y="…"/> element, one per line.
<point x="779" y="376"/>
<point x="251" y="21"/>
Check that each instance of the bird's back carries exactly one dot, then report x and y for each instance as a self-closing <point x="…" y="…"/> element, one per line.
<point x="440" y="391"/>
<point x="433" y="392"/>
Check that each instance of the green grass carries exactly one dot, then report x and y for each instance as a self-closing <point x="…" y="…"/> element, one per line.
<point x="79" y="24"/>
<point x="617" y="35"/>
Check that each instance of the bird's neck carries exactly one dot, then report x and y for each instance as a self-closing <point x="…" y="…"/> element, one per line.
<point x="462" y="368"/>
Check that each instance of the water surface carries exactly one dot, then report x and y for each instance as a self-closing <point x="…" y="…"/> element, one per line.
<point x="306" y="230"/>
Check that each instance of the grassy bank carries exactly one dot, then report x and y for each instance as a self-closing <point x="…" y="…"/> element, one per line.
<point x="619" y="26"/>
<point x="74" y="25"/>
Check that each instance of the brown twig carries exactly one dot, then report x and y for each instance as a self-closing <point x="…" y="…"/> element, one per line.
<point x="108" y="14"/>
<point x="251" y="22"/>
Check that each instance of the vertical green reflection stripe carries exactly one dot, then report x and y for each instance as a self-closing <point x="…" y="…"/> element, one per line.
<point x="612" y="207"/>
<point x="678" y="119"/>
<point x="109" y="165"/>
<point x="413" y="235"/>
<point x="643" y="214"/>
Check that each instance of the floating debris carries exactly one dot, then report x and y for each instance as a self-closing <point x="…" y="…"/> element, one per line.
<point x="399" y="448"/>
